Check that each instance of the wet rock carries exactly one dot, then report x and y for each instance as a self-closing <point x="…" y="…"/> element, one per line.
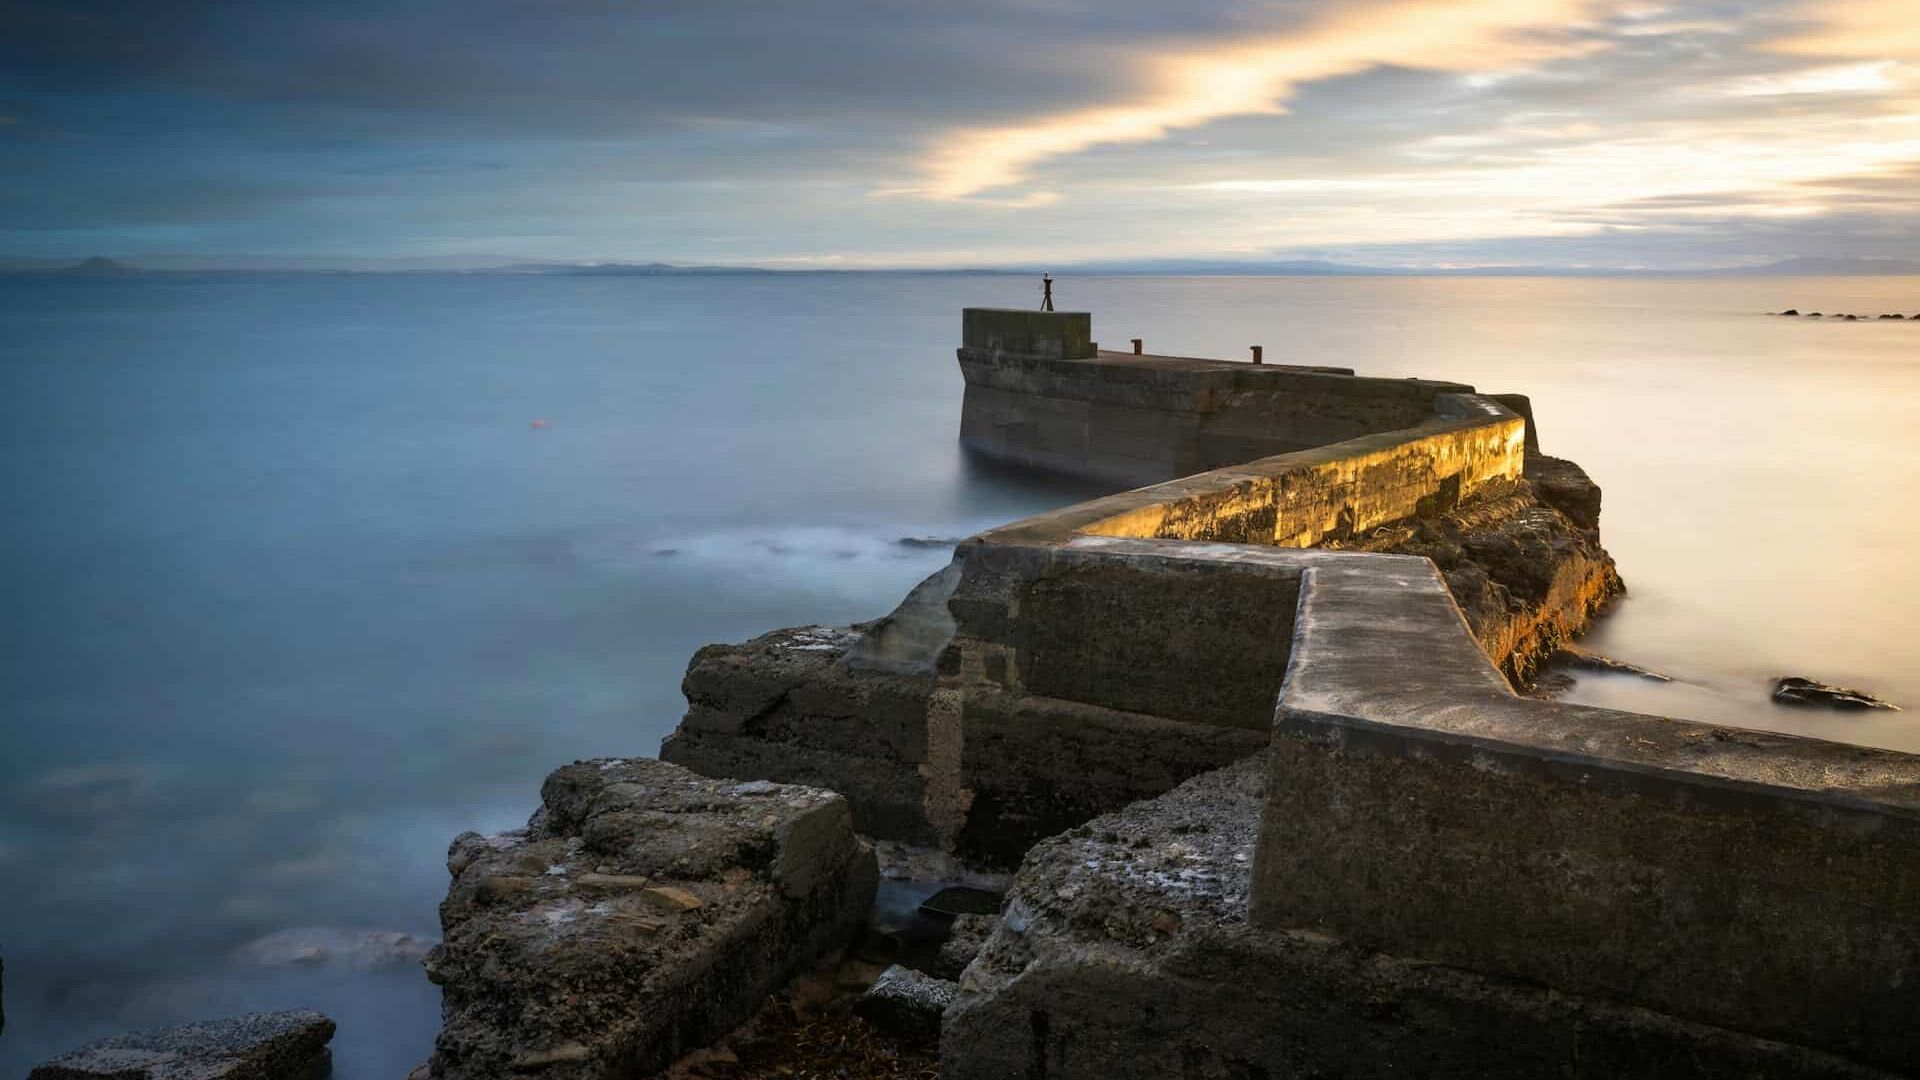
<point x="964" y="940"/>
<point x="288" y="1045"/>
<point x="361" y="950"/>
<point x="1851" y="318"/>
<point x="1586" y="659"/>
<point x="1813" y="315"/>
<point x="1794" y="690"/>
<point x="1893" y="316"/>
<point x="1789" y="311"/>
<point x="643" y="912"/>
<point x="906" y="1002"/>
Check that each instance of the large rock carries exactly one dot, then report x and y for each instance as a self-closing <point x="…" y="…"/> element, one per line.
<point x="643" y="912"/>
<point x="1125" y="953"/>
<point x="288" y="1045"/>
<point x="1794" y="690"/>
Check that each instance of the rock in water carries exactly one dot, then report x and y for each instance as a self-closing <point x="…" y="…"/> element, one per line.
<point x="905" y="1002"/>
<point x="1576" y="656"/>
<point x="1793" y="690"/>
<point x="258" y="1046"/>
<point x="644" y="911"/>
<point x="955" y="900"/>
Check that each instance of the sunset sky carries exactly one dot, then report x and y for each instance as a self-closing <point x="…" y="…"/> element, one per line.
<point x="782" y="133"/>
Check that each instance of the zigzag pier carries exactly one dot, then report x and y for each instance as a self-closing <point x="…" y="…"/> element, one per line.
<point x="1251" y="740"/>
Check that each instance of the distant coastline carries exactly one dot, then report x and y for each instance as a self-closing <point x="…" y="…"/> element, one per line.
<point x="103" y="267"/>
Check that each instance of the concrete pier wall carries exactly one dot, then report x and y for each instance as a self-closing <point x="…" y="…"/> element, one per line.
<point x="1416" y="806"/>
<point x="1291" y="817"/>
<point x="1141" y="419"/>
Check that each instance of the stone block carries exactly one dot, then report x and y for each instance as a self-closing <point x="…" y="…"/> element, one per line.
<point x="645" y="911"/>
<point x="289" y="1045"/>
<point x="1059" y="335"/>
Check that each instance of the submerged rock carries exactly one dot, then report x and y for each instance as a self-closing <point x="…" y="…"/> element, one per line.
<point x="955" y="900"/>
<point x="1578" y="657"/>
<point x="643" y="912"/>
<point x="903" y="1001"/>
<point x="1794" y="690"/>
<point x="361" y="950"/>
<point x="289" y="1045"/>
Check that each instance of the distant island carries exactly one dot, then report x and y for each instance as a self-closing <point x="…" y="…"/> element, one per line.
<point x="102" y="266"/>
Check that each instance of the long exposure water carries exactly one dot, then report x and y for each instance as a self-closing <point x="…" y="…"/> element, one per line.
<point x="306" y="574"/>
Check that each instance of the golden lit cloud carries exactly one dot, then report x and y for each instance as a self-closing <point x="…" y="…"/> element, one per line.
<point x="1887" y="29"/>
<point x="1688" y="169"/>
<point x="1188" y="89"/>
<point x="1868" y="77"/>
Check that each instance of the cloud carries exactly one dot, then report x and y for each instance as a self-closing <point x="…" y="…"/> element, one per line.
<point x="1005" y="131"/>
<point x="1870" y="77"/>
<point x="1872" y="28"/>
<point x="1193" y="88"/>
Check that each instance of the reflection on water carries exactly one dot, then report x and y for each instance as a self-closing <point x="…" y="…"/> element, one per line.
<point x="299" y="591"/>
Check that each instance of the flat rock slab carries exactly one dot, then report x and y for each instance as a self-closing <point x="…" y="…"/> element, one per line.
<point x="906" y="1002"/>
<point x="645" y="911"/>
<point x="289" y="1045"/>
<point x="955" y="900"/>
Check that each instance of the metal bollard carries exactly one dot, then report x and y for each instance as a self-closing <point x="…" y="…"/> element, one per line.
<point x="1256" y="353"/>
<point x="1136" y="346"/>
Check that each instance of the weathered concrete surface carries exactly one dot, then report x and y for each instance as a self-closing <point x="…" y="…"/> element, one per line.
<point x="789" y="706"/>
<point x="1143" y="419"/>
<point x="1448" y="880"/>
<point x="643" y="912"/>
<point x="290" y="1045"/>
<point x="1049" y="675"/>
<point x="1059" y="335"/>
<point x="1125" y="953"/>
<point x="1760" y="882"/>
<point x="1330" y="493"/>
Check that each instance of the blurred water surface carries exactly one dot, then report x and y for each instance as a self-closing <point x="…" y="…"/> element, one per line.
<point x="305" y="573"/>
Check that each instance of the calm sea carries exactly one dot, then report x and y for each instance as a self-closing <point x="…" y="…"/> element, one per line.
<point x="306" y="574"/>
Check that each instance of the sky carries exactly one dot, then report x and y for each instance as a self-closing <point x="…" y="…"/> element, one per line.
<point x="914" y="133"/>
